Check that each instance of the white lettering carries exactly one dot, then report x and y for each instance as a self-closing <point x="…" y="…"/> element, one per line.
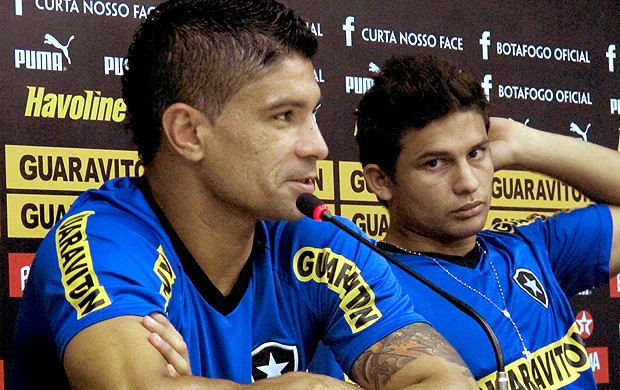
<point x="544" y="94"/>
<point x="516" y="92"/>
<point x="521" y="50"/>
<point x="39" y="60"/>
<point x="571" y="55"/>
<point x="116" y="64"/>
<point x="541" y="52"/>
<point x="575" y="97"/>
<point x="614" y="105"/>
<point x="595" y="362"/>
<point x="452" y="43"/>
<point x="358" y="85"/>
<point x="421" y="40"/>
<point x="378" y="35"/>
<point x="23" y="276"/>
<point x="141" y="12"/>
<point x="315" y="28"/>
<point x="57" y="5"/>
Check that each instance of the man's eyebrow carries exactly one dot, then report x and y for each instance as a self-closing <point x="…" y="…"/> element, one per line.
<point x="480" y="144"/>
<point x="432" y="153"/>
<point x="441" y="153"/>
<point x="295" y="103"/>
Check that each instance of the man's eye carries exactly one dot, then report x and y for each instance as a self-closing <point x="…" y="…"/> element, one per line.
<point x="475" y="153"/>
<point x="432" y="163"/>
<point x="285" y="116"/>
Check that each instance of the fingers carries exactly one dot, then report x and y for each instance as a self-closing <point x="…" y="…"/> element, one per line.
<point x="169" y="342"/>
<point x="172" y="371"/>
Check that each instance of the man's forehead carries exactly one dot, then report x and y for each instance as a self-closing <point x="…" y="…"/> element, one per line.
<point x="446" y="138"/>
<point x="288" y="80"/>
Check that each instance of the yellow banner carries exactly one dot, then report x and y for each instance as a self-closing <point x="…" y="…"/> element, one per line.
<point x="352" y="184"/>
<point x="66" y="169"/>
<point x="31" y="215"/>
<point x="374" y="220"/>
<point x="324" y="186"/>
<point x="521" y="189"/>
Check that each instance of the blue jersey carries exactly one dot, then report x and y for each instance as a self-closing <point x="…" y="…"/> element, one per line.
<point x="115" y="254"/>
<point x="538" y="263"/>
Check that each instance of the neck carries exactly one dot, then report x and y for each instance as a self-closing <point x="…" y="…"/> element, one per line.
<point x="219" y="241"/>
<point x="414" y="242"/>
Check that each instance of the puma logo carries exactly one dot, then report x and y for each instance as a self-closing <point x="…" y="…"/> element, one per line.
<point x="583" y="133"/>
<point x="372" y="67"/>
<point x="50" y="40"/>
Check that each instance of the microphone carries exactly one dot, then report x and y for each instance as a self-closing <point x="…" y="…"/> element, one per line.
<point x="314" y="208"/>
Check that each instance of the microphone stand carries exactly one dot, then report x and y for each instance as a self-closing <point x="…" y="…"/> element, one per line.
<point x="320" y="212"/>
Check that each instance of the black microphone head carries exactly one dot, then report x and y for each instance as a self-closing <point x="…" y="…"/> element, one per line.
<point x="312" y="207"/>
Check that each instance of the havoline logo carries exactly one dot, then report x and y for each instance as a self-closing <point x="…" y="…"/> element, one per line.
<point x="90" y="106"/>
<point x="45" y="60"/>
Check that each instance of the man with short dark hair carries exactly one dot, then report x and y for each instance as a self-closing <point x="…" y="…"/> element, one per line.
<point x="221" y="99"/>
<point x="429" y="152"/>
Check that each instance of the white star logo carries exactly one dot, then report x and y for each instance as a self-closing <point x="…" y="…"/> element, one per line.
<point x="531" y="284"/>
<point x="527" y="280"/>
<point x="584" y="323"/>
<point x="273" y="369"/>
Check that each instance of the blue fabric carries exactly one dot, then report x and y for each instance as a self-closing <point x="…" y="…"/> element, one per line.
<point x="110" y="256"/>
<point x="567" y="253"/>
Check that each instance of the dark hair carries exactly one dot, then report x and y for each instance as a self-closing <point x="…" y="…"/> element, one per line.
<point x="409" y="93"/>
<point x="201" y="52"/>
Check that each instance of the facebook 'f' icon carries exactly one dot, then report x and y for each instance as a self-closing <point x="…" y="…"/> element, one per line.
<point x="485" y="42"/>
<point x="348" y="28"/>
<point x="611" y="56"/>
<point x="487" y="85"/>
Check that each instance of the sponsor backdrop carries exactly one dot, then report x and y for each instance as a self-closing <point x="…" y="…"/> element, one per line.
<point x="550" y="64"/>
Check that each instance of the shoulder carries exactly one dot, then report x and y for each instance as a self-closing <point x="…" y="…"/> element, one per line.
<point x="117" y="203"/>
<point x="291" y="239"/>
<point x="590" y="217"/>
<point x="309" y="231"/>
<point x="307" y="249"/>
<point x="106" y="221"/>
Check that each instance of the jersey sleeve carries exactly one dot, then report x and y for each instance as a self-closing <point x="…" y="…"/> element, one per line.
<point x="349" y="287"/>
<point x="579" y="246"/>
<point x="95" y="266"/>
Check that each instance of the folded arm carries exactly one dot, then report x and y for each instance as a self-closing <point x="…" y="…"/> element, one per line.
<point x="415" y="357"/>
<point x="592" y="169"/>
<point x="116" y="354"/>
<point x="121" y="353"/>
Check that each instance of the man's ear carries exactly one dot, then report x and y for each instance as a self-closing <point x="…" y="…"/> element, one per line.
<point x="182" y="127"/>
<point x="378" y="182"/>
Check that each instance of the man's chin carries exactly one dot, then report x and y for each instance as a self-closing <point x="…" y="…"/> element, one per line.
<point x="290" y="215"/>
<point x="463" y="232"/>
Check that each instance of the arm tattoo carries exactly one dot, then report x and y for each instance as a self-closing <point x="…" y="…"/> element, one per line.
<point x="382" y="360"/>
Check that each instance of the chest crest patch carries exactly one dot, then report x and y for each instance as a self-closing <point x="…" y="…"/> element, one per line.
<point x="531" y="285"/>
<point x="273" y="359"/>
